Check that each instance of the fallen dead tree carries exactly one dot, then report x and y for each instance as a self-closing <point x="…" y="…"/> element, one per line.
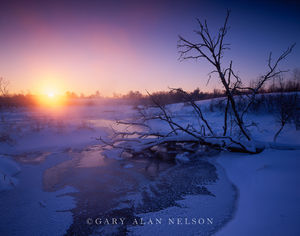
<point x="187" y="137"/>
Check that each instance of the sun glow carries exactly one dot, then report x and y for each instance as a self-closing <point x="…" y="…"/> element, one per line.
<point x="51" y="95"/>
<point x="50" y="90"/>
<point x="51" y="100"/>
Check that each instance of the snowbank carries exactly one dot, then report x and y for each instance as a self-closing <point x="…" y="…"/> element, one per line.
<point x="28" y="210"/>
<point x="269" y="193"/>
<point x="182" y="157"/>
<point x="8" y="170"/>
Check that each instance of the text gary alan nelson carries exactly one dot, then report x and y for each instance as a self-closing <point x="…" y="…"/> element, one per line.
<point x="151" y="221"/>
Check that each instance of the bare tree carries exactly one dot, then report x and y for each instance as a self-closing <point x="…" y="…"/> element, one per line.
<point x="285" y="113"/>
<point x="4" y="134"/>
<point x="3" y="93"/>
<point x="286" y="107"/>
<point x="3" y="87"/>
<point x="210" y="48"/>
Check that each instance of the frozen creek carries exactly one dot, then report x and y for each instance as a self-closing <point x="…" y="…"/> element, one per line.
<point x="80" y="192"/>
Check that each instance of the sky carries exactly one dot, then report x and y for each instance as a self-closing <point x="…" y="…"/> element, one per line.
<point x="118" y="46"/>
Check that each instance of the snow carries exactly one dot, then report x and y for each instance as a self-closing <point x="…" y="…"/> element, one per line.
<point x="28" y="210"/>
<point x="268" y="183"/>
<point x="269" y="193"/>
<point x="42" y="139"/>
<point x="127" y="166"/>
<point x="182" y="157"/>
<point x="35" y="129"/>
<point x="217" y="207"/>
<point x="8" y="170"/>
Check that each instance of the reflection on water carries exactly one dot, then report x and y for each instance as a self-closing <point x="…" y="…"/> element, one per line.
<point x="91" y="159"/>
<point x="31" y="157"/>
<point x="130" y="187"/>
<point x="104" y="123"/>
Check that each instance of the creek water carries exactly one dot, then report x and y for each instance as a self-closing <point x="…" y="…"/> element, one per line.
<point x="142" y="189"/>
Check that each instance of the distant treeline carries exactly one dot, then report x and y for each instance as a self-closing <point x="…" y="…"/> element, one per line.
<point x="175" y="96"/>
<point x="135" y="97"/>
<point x="17" y="100"/>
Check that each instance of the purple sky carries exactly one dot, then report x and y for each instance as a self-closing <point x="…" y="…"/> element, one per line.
<point x="117" y="46"/>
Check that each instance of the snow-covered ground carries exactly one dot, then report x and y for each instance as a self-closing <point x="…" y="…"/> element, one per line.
<point x="28" y="210"/>
<point x="8" y="169"/>
<point x="269" y="193"/>
<point x="43" y="140"/>
<point x="268" y="202"/>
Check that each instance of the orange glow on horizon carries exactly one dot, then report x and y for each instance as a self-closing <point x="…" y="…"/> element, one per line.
<point x="51" y="100"/>
<point x="50" y="93"/>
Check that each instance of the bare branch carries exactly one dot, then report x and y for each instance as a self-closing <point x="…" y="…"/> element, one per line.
<point x="3" y="87"/>
<point x="272" y="73"/>
<point x="196" y="108"/>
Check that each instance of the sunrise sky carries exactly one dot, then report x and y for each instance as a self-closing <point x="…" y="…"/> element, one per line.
<point x="116" y="46"/>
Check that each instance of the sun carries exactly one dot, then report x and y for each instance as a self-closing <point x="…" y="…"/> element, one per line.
<point x="51" y="94"/>
<point x="51" y="99"/>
